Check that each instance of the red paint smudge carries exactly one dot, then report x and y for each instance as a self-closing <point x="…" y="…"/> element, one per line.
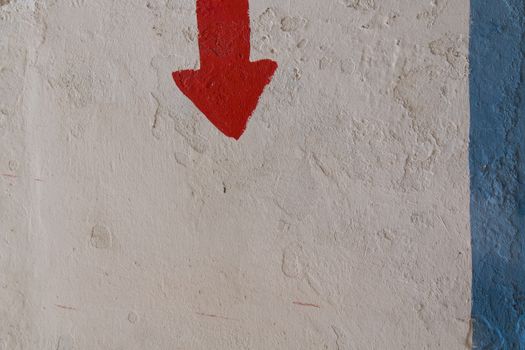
<point x="306" y="304"/>
<point x="215" y="316"/>
<point x="227" y="86"/>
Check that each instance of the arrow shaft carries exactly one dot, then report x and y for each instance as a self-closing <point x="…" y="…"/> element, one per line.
<point x="224" y="31"/>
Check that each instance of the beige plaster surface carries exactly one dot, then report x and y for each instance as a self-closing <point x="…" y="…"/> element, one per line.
<point x="339" y="221"/>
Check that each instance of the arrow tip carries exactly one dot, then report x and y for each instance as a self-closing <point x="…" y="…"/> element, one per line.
<point x="227" y="94"/>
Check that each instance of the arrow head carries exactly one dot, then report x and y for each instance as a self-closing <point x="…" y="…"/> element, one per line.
<point x="227" y="93"/>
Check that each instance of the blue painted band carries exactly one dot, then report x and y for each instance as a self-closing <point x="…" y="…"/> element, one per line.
<point x="497" y="171"/>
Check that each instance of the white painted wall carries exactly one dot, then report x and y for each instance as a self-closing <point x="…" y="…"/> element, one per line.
<point x="127" y="221"/>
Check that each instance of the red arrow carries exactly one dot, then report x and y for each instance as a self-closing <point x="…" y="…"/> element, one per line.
<point x="227" y="86"/>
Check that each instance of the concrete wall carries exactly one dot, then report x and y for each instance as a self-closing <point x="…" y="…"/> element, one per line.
<point x="338" y="221"/>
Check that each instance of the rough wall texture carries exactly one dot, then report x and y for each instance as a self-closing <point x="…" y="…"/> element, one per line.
<point x="498" y="172"/>
<point x="338" y="221"/>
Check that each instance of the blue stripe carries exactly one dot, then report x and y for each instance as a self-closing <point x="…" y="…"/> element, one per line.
<point x="497" y="170"/>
